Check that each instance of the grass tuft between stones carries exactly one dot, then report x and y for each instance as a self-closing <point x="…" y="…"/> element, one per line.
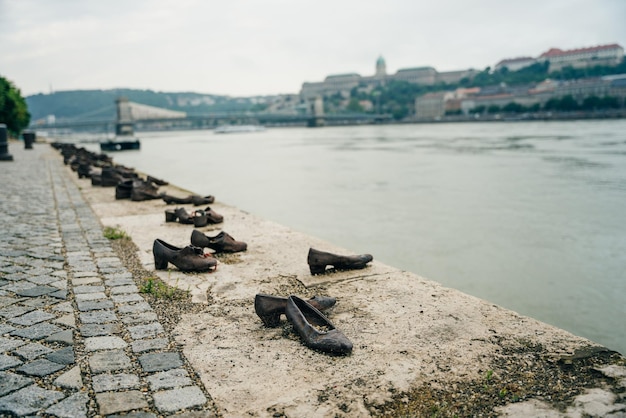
<point x="114" y="233"/>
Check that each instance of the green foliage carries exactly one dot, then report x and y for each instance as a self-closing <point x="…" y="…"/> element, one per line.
<point x="13" y="109"/>
<point x="532" y="74"/>
<point x="489" y="375"/>
<point x="114" y="233"/>
<point x="354" y="105"/>
<point x="512" y="107"/>
<point x="536" y="73"/>
<point x="158" y="289"/>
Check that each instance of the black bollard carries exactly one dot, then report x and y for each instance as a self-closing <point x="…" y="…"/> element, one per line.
<point x="4" y="145"/>
<point x="29" y="138"/>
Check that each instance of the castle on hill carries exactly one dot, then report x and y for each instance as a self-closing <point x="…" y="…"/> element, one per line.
<point x="611" y="54"/>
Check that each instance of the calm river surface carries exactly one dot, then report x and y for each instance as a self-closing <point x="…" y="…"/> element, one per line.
<point x="530" y="216"/>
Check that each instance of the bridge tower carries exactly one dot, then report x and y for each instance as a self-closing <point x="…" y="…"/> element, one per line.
<point x="317" y="113"/>
<point x="124" y="124"/>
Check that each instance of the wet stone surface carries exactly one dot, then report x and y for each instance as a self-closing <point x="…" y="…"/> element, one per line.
<point x="76" y="336"/>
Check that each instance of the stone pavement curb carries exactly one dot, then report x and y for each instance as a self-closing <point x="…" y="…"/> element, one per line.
<point x="77" y="339"/>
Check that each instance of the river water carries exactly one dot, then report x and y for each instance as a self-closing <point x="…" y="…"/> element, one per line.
<point x="528" y="215"/>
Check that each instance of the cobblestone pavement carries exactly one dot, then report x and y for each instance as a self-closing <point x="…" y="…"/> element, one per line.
<point x="77" y="339"/>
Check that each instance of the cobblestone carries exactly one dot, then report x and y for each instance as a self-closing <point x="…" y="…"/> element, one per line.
<point x="76" y="335"/>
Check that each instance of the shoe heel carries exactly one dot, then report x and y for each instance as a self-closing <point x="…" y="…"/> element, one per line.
<point x="160" y="264"/>
<point x="170" y="216"/>
<point x="319" y="269"/>
<point x="270" y="321"/>
<point x="200" y="220"/>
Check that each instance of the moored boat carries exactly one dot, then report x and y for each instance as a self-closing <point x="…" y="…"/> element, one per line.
<point x="229" y="129"/>
<point x="120" y="145"/>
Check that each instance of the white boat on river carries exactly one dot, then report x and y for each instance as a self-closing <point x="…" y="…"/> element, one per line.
<point x="229" y="129"/>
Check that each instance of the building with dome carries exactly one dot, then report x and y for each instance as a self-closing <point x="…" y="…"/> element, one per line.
<point x="344" y="83"/>
<point x="381" y="67"/>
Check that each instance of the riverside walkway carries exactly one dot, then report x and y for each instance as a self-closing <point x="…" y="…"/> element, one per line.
<point x="76" y="337"/>
<point x="79" y="339"/>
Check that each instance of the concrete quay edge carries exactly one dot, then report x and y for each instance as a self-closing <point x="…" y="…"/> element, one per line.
<point x="407" y="331"/>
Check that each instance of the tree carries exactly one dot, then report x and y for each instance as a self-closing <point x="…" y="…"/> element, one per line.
<point x="354" y="106"/>
<point x="513" y="107"/>
<point x="569" y="103"/>
<point x="13" y="108"/>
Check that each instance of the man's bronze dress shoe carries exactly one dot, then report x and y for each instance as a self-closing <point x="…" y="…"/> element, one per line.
<point x="187" y="259"/>
<point x="315" y="329"/>
<point x="318" y="260"/>
<point x="221" y="243"/>
<point x="269" y="308"/>
<point x="143" y="190"/>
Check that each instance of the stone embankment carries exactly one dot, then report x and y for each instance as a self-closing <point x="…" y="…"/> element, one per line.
<point x="82" y="333"/>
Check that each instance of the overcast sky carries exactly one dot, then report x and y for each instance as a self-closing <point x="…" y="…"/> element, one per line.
<point x="246" y="48"/>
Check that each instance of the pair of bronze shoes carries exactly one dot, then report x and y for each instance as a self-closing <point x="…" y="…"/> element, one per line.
<point x="319" y="260"/>
<point x="314" y="328"/>
<point x="220" y="243"/>
<point x="194" y="199"/>
<point x="199" y="218"/>
<point x="186" y="259"/>
<point x="137" y="190"/>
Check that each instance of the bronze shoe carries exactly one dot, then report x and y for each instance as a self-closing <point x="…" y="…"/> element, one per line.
<point x="221" y="243"/>
<point x="169" y="199"/>
<point x="318" y="260"/>
<point x="269" y="308"/>
<point x="199" y="218"/>
<point x="187" y="259"/>
<point x="170" y="215"/>
<point x="124" y="189"/>
<point x="202" y="200"/>
<point x="212" y="216"/>
<point x="315" y="330"/>
<point x="183" y="216"/>
<point x="143" y="190"/>
<point x="157" y="181"/>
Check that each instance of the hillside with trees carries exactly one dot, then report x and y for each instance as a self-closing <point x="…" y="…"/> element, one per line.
<point x="82" y="105"/>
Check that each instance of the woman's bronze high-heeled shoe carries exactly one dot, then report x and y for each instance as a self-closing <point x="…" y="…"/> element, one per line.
<point x="318" y="260"/>
<point x="187" y="259"/>
<point x="269" y="308"/>
<point x="315" y="329"/>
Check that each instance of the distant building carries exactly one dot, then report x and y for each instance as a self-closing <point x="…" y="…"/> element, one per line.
<point x="344" y="83"/>
<point x="381" y="68"/>
<point x="435" y="105"/>
<point x="420" y="75"/>
<point x="611" y="54"/>
<point x="430" y="106"/>
<point x="515" y="64"/>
